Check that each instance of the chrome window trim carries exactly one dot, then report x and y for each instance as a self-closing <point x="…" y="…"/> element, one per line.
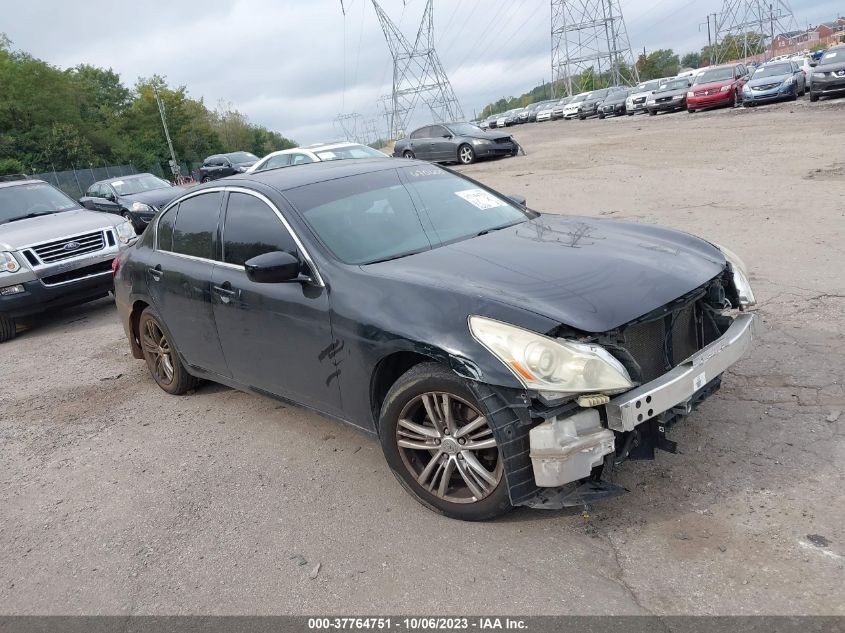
<point x="317" y="278"/>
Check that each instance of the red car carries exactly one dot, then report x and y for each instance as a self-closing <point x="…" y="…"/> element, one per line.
<point x="718" y="86"/>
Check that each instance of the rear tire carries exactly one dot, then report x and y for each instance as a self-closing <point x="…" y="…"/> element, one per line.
<point x="162" y="357"/>
<point x="601" y="115"/>
<point x="408" y="154"/>
<point x="417" y="395"/>
<point x="8" y="328"/>
<point x="205" y="179"/>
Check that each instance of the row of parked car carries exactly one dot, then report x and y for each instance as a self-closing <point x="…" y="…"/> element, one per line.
<point x="692" y="90"/>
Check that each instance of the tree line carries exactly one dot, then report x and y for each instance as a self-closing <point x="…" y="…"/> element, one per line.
<point x="53" y="118"/>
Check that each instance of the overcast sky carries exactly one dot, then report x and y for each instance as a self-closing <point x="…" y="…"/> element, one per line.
<point x="294" y="65"/>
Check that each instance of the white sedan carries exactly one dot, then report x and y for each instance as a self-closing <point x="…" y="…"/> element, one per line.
<point x="316" y="153"/>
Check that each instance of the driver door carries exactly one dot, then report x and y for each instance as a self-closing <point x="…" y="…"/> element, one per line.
<point x="276" y="337"/>
<point x="442" y="145"/>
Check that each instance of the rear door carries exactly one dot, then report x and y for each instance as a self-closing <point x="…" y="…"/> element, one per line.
<point x="275" y="337"/>
<point x="421" y="143"/>
<point x="180" y="282"/>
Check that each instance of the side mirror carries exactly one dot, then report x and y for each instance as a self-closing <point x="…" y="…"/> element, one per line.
<point x="273" y="268"/>
<point x="110" y="197"/>
<point x="518" y="199"/>
<point x="813" y="64"/>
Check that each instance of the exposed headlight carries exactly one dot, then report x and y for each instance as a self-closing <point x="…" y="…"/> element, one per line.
<point x="8" y="263"/>
<point x="551" y="365"/>
<point x="140" y="207"/>
<point x="789" y="81"/>
<point x="746" y="89"/>
<point x="690" y="94"/>
<point x="725" y="88"/>
<point x="740" y="277"/>
<point x="481" y="141"/>
<point x="125" y="232"/>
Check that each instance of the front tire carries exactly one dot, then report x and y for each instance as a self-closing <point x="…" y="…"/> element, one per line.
<point x="466" y="155"/>
<point x="408" y="154"/>
<point x="8" y="328"/>
<point x="161" y="356"/>
<point x="205" y="179"/>
<point x="813" y="97"/>
<point x="438" y="442"/>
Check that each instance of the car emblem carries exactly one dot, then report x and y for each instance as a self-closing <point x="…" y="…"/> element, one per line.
<point x="71" y="246"/>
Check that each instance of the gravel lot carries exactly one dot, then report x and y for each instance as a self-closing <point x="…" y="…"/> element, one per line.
<point x="119" y="499"/>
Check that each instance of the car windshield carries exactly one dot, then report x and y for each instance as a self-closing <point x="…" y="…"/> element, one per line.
<point x="579" y="98"/>
<point x="598" y="94"/>
<point x="619" y="95"/>
<point x="677" y="84"/>
<point x="833" y="57"/>
<point x="349" y="152"/>
<point x="464" y="129"/>
<point x="773" y="70"/>
<point x="374" y="217"/>
<point x="648" y="86"/>
<point x="717" y="74"/>
<point x="28" y="201"/>
<point x="242" y="157"/>
<point x="139" y="184"/>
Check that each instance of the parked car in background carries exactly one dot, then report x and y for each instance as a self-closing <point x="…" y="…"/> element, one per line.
<point x="614" y="104"/>
<point x="669" y="97"/>
<point x="590" y="106"/>
<point x="570" y="110"/>
<point x="454" y="143"/>
<point x="449" y="321"/>
<point x="803" y="62"/>
<point x="506" y="119"/>
<point x="829" y="74"/>
<point x="522" y="116"/>
<point x="534" y="109"/>
<point x="53" y="252"/>
<point x="137" y="198"/>
<point x="545" y="112"/>
<point x="557" y="110"/>
<point x="222" y="165"/>
<point x="639" y="94"/>
<point x="718" y="86"/>
<point x="315" y="153"/>
<point x="773" y="82"/>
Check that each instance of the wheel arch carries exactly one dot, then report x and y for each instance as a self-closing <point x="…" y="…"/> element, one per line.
<point x="134" y="321"/>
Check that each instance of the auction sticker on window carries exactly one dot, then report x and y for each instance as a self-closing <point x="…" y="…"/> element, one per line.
<point x="480" y="198"/>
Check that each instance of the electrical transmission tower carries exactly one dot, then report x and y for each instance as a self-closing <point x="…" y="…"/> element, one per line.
<point x="347" y="126"/>
<point x="417" y="74"/>
<point x="590" y="36"/>
<point x="744" y="26"/>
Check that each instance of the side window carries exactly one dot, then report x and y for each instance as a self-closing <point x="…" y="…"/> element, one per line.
<point x="93" y="191"/>
<point x="282" y="160"/>
<point x="438" y="131"/>
<point x="423" y="132"/>
<point x="251" y="229"/>
<point x="301" y="159"/>
<point x="196" y="224"/>
<point x="164" y="236"/>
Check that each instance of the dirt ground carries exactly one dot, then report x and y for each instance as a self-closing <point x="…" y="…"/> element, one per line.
<point x="119" y="499"/>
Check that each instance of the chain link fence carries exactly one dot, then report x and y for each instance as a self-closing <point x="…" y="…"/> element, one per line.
<point x="75" y="182"/>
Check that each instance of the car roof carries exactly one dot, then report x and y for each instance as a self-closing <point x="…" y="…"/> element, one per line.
<point x="25" y="181"/>
<point x="285" y="178"/>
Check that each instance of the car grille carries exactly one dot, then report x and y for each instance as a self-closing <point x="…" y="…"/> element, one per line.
<point x="639" y="100"/>
<point x="766" y="87"/>
<point x="659" y="345"/>
<point x="503" y="139"/>
<point x="51" y="252"/>
<point x="80" y="273"/>
<point x="706" y="93"/>
<point x="664" y="99"/>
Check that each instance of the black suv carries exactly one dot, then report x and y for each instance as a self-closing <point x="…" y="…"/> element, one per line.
<point x="137" y="198"/>
<point x="222" y="165"/>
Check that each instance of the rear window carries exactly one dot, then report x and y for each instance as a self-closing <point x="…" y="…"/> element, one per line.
<point x="196" y="225"/>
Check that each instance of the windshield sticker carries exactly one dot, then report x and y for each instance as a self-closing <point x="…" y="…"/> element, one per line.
<point x="422" y="172"/>
<point x="830" y="55"/>
<point x="480" y="198"/>
<point x="117" y="183"/>
<point x="327" y="155"/>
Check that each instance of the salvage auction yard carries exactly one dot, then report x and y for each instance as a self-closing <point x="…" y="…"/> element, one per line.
<point x="120" y="499"/>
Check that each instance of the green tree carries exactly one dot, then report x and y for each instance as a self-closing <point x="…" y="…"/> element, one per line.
<point x="660" y="63"/>
<point x="734" y="47"/>
<point x="691" y="60"/>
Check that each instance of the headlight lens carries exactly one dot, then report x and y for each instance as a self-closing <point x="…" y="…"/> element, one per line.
<point x="481" y="141"/>
<point x="551" y="365"/>
<point x="740" y="277"/>
<point x="8" y="263"/>
<point x="140" y="207"/>
<point x="725" y="88"/>
<point x="690" y="94"/>
<point x="789" y="81"/>
<point x="125" y="232"/>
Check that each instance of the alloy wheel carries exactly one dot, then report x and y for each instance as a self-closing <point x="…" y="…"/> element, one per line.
<point x="157" y="348"/>
<point x="466" y="154"/>
<point x="447" y="445"/>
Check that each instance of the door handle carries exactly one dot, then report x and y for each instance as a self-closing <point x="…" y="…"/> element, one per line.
<point x="225" y="292"/>
<point x="155" y="272"/>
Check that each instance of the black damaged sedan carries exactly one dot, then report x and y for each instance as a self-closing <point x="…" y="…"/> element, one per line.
<point x="502" y="357"/>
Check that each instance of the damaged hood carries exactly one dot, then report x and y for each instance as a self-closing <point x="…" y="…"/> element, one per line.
<point x="592" y="275"/>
